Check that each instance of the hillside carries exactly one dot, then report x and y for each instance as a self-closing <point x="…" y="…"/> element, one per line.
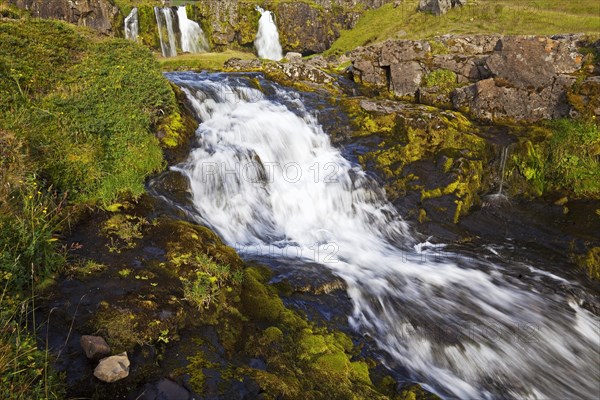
<point x="510" y="17"/>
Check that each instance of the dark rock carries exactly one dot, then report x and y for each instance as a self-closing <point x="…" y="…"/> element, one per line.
<point x="94" y="347"/>
<point x="113" y="368"/>
<point x="99" y="15"/>
<point x="165" y="389"/>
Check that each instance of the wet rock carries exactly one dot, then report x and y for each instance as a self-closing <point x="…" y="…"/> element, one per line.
<point x="94" y="347"/>
<point x="165" y="389"/>
<point x="113" y="368"/>
<point x="99" y="15"/>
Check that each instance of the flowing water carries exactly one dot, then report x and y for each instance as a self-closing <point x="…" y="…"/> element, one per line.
<point x="165" y="20"/>
<point x="267" y="38"/>
<point x="264" y="175"/>
<point x="132" y="27"/>
<point x="193" y="39"/>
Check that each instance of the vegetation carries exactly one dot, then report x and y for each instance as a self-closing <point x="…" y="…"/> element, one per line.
<point x="535" y="17"/>
<point x="560" y="156"/>
<point x="77" y="115"/>
<point x="202" y="61"/>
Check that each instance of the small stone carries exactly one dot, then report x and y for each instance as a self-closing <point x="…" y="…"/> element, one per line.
<point x="113" y="368"/>
<point x="294" y="58"/>
<point x="95" y="347"/>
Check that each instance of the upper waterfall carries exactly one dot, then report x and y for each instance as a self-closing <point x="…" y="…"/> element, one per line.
<point x="267" y="38"/>
<point x="264" y="174"/>
<point x="193" y="39"/>
<point x="165" y="21"/>
<point x="132" y="26"/>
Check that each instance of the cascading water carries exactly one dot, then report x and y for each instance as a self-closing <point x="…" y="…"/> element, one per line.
<point x="132" y="26"/>
<point x="193" y="39"/>
<point x="267" y="38"/>
<point x="166" y="33"/>
<point x="264" y="174"/>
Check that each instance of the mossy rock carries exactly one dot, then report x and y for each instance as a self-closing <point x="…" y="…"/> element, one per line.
<point x="428" y="151"/>
<point x="590" y="263"/>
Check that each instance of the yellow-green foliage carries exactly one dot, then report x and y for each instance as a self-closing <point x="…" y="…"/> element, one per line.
<point x="302" y="360"/>
<point x="574" y="157"/>
<point x="535" y="17"/>
<point x="443" y="79"/>
<point x="560" y="156"/>
<point x="85" y="107"/>
<point x="25" y="371"/>
<point x="590" y="263"/>
<point x="407" y="141"/>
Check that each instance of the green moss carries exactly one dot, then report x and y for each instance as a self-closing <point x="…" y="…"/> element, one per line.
<point x="590" y="263"/>
<point x="443" y="79"/>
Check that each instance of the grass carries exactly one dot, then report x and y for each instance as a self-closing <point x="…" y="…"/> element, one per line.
<point x="78" y="114"/>
<point x="574" y="157"/>
<point x="85" y="107"/>
<point x="535" y="17"/>
<point x="202" y="61"/>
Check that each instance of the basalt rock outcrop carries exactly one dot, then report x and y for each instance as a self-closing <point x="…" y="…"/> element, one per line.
<point x="519" y="78"/>
<point x="100" y="15"/>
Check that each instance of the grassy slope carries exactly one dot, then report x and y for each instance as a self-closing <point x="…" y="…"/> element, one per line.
<point x="77" y="119"/>
<point x="486" y="16"/>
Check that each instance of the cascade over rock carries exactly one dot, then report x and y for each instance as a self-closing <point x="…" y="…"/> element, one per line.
<point x="264" y="175"/>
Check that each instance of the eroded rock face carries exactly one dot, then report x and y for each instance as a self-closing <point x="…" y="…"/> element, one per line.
<point x="516" y="78"/>
<point x="113" y="368"/>
<point x="99" y="15"/>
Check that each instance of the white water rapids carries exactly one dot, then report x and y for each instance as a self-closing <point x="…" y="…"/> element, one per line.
<point x="264" y="173"/>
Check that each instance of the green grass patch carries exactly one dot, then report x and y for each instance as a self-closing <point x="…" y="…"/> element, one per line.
<point x="202" y="61"/>
<point x="574" y="157"/>
<point x="86" y="107"/>
<point x="508" y="17"/>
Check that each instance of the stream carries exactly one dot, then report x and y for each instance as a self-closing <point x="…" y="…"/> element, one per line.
<point x="265" y="176"/>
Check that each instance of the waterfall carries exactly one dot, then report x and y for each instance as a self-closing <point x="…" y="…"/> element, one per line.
<point x="193" y="39"/>
<point x="264" y="173"/>
<point x="132" y="26"/>
<point x="503" y="159"/>
<point x="267" y="38"/>
<point x="166" y="33"/>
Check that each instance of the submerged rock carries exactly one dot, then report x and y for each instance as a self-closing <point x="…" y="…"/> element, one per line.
<point x="95" y="347"/>
<point x="113" y="368"/>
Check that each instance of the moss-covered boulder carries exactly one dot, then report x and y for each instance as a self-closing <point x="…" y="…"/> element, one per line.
<point x="431" y="160"/>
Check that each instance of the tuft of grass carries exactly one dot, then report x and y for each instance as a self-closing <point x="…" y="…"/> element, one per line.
<point x="202" y="61"/>
<point x="574" y="157"/>
<point x="508" y="17"/>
